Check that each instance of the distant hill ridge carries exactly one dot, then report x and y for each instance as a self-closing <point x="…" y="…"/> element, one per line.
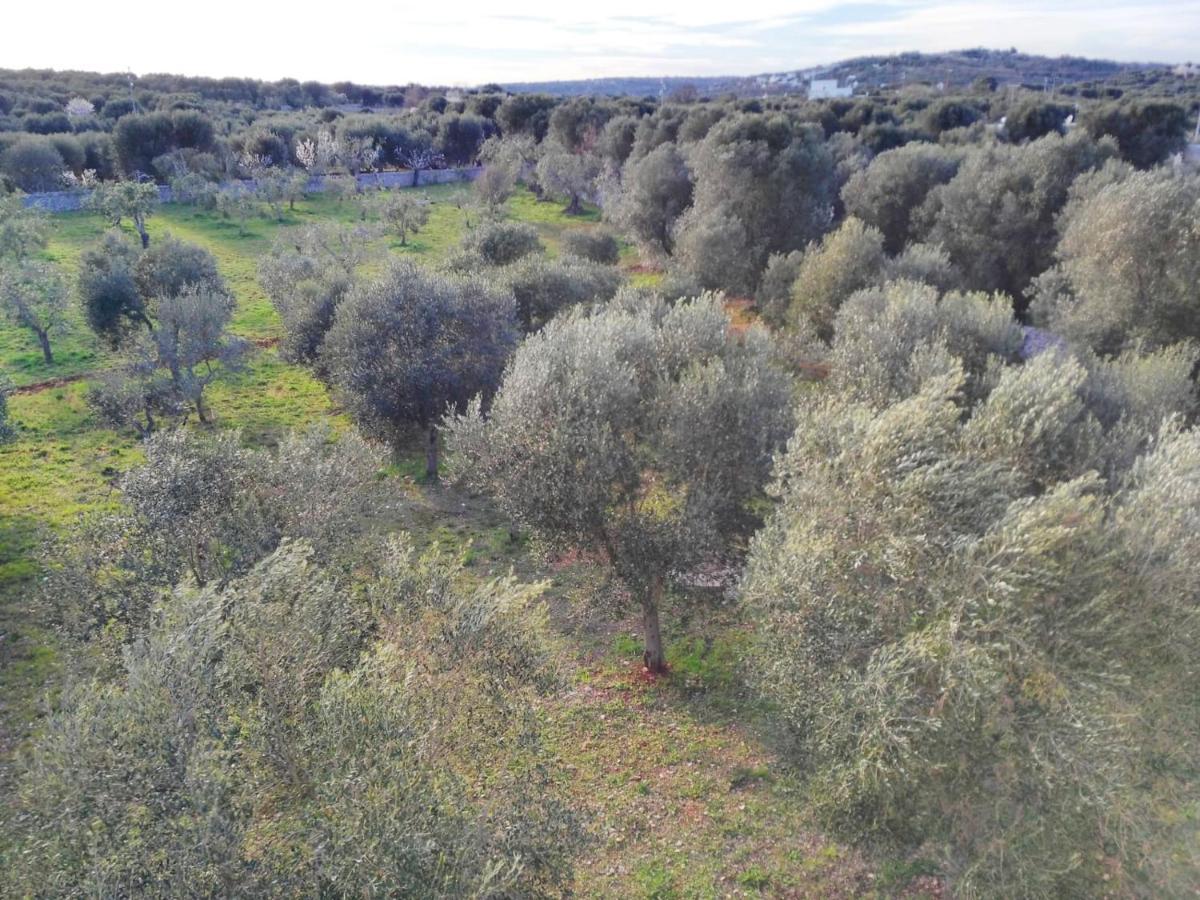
<point x="953" y="69"/>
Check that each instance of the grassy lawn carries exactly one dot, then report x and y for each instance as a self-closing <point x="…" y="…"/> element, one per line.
<point x="682" y="795"/>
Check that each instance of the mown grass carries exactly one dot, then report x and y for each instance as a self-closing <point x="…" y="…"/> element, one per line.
<point x="682" y="796"/>
<point x="62" y="465"/>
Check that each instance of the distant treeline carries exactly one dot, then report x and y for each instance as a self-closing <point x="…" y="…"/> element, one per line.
<point x="56" y="125"/>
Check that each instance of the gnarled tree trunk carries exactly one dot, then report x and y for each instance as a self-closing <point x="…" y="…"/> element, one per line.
<point x="431" y="454"/>
<point x="44" y="340"/>
<point x="654" y="658"/>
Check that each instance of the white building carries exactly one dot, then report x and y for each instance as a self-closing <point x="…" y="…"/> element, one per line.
<point x="824" y="88"/>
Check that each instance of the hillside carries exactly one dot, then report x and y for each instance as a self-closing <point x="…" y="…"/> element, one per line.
<point x="954" y="69"/>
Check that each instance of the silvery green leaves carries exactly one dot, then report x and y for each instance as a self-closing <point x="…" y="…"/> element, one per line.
<point x="636" y="431"/>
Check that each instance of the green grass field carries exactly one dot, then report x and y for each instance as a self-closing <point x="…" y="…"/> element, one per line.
<point x="683" y="795"/>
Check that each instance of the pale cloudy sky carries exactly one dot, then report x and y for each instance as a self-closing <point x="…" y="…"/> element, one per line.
<point x="371" y="41"/>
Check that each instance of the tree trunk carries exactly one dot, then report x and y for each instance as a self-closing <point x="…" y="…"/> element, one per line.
<point x="201" y="410"/>
<point x="416" y="175"/>
<point x="145" y="235"/>
<point x="44" y="340"/>
<point x="431" y="454"/>
<point x="653" y="657"/>
<point x="574" y="208"/>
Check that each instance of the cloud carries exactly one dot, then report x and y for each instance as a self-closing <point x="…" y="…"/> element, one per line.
<point x="377" y="42"/>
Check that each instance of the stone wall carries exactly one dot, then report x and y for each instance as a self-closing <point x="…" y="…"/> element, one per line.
<point x="68" y="201"/>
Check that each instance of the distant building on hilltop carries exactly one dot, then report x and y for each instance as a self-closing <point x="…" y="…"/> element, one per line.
<point x="824" y="88"/>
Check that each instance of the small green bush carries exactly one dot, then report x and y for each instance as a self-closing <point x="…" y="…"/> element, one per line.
<point x="592" y="244"/>
<point x="501" y="243"/>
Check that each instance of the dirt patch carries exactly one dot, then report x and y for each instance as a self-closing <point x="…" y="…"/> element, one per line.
<point x="38" y="386"/>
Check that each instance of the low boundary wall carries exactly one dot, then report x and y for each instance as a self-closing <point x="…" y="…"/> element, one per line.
<point x="68" y="201"/>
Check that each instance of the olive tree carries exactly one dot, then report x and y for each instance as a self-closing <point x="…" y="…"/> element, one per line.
<point x="567" y="174"/>
<point x="1128" y="264"/>
<point x="108" y="288"/>
<point x="500" y="243"/>
<point x="543" y="287"/>
<point x="639" y="433"/>
<point x="763" y="184"/>
<point x="204" y="507"/>
<point x="7" y="431"/>
<point x="888" y="192"/>
<point x="403" y="212"/>
<point x="34" y="295"/>
<point x="119" y="286"/>
<point x="33" y="164"/>
<point x="1147" y="130"/>
<point x="257" y="706"/>
<point x="996" y="217"/>
<point x="273" y="186"/>
<point x="845" y="261"/>
<point x="172" y="265"/>
<point x="23" y="229"/>
<point x="976" y="645"/>
<point x="655" y="190"/>
<point x="306" y="274"/>
<point x="167" y="369"/>
<point x="774" y="294"/>
<point x="594" y="244"/>
<point x="410" y="344"/>
<point x="238" y="204"/>
<point x="887" y="340"/>
<point x="298" y="186"/>
<point x="133" y="200"/>
<point x="503" y="161"/>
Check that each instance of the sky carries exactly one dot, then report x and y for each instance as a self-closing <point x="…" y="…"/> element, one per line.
<point x="457" y="43"/>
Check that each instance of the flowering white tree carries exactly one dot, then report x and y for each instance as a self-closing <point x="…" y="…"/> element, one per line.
<point x="78" y="108"/>
<point x="420" y="158"/>
<point x="85" y="180"/>
<point x="317" y="155"/>
<point x="253" y="165"/>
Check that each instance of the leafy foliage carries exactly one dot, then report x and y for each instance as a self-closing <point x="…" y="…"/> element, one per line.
<point x="133" y="200"/>
<point x="501" y="243"/>
<point x="306" y="274"/>
<point x="409" y="345"/>
<point x="34" y="296"/>
<point x="763" y="184"/>
<point x="951" y="612"/>
<point x="1129" y="263"/>
<point x="592" y="244"/>
<point x="544" y="287"/>
<point x="656" y="190"/>
<point x="167" y="369"/>
<point x="279" y="684"/>
<point x="403" y="214"/>
<point x="889" y="193"/>
<point x="846" y="260"/>
<point x="207" y="509"/>
<point x="996" y="217"/>
<point x="637" y="432"/>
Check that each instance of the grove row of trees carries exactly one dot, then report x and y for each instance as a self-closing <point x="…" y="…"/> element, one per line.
<point x="966" y="545"/>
